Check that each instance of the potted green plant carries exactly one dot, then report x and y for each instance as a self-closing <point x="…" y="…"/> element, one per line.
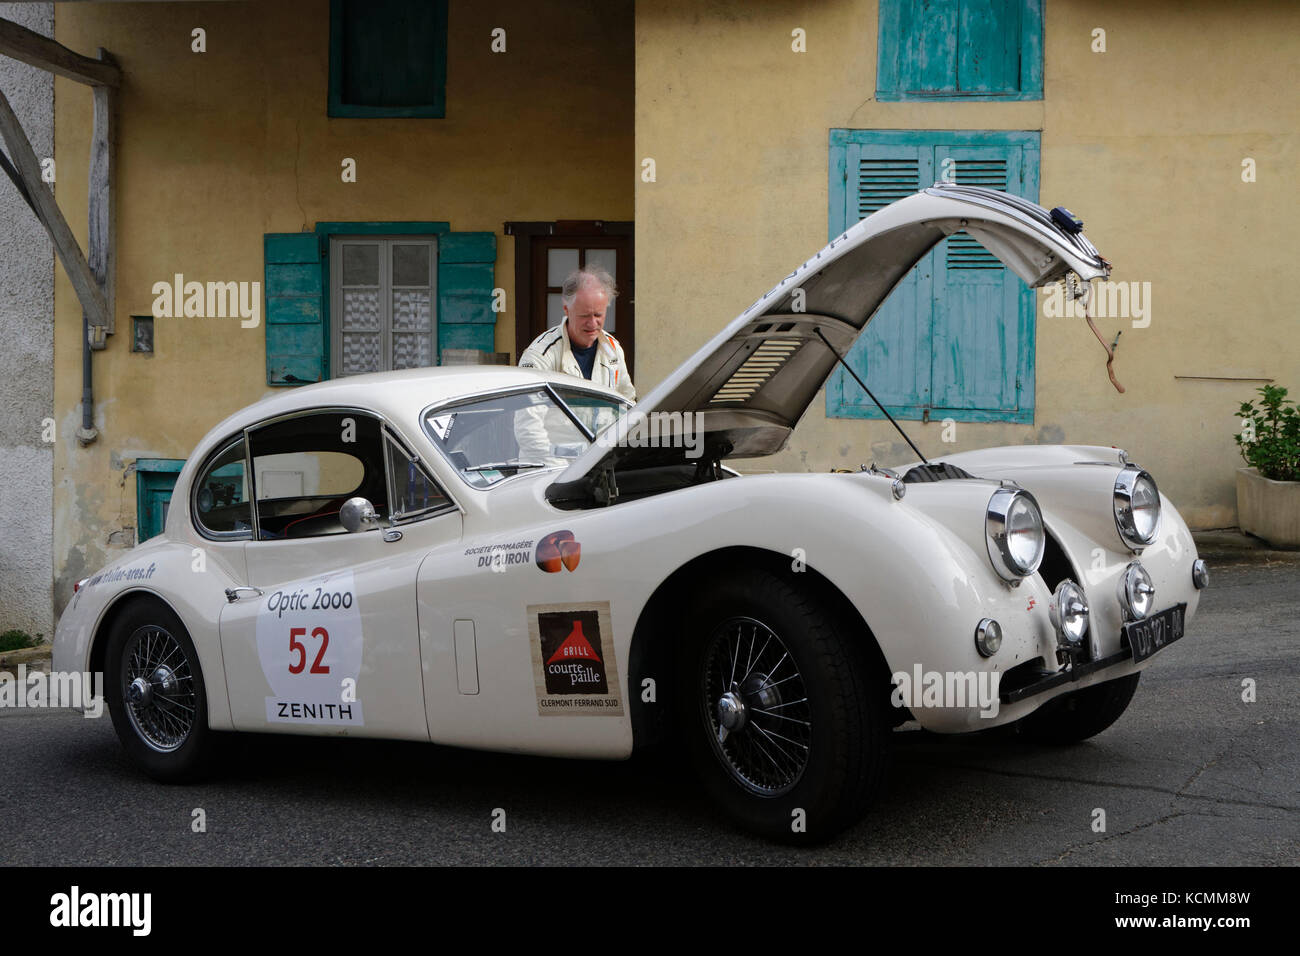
<point x="1268" y="492"/>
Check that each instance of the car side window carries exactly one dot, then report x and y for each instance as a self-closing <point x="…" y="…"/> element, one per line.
<point x="413" y="493"/>
<point x="306" y="467"/>
<point x="221" y="507"/>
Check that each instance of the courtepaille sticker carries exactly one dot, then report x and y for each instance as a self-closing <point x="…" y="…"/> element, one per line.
<point x="574" y="670"/>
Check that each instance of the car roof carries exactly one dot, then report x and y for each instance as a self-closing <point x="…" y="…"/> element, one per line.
<point x="399" y="396"/>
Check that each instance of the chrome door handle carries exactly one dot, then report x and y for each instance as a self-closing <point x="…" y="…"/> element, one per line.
<point x="232" y="594"/>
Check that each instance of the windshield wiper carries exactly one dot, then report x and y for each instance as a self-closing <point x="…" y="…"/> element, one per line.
<point x="503" y="465"/>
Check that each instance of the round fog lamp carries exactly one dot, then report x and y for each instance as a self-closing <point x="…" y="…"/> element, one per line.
<point x="988" y="637"/>
<point x="1069" y="613"/>
<point x="1137" y="595"/>
<point x="1200" y="574"/>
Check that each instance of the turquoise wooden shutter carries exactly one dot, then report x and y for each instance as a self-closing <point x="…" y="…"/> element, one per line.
<point x="893" y="354"/>
<point x="988" y="47"/>
<point x="466" y="278"/>
<point x="982" y="341"/>
<point x="960" y="49"/>
<point x="922" y="47"/>
<point x="956" y="337"/>
<point x="296" y="339"/>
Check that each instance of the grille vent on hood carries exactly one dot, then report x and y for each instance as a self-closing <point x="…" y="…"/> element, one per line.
<point x="755" y="371"/>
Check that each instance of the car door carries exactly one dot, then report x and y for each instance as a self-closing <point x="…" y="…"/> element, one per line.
<point x="519" y="650"/>
<point x="325" y="638"/>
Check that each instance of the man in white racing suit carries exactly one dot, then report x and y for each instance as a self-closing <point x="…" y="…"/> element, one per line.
<point x="578" y="346"/>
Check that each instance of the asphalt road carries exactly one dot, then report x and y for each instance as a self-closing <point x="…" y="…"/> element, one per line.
<point x="1191" y="775"/>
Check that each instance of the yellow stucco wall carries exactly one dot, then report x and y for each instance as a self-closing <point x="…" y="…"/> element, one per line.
<point x="1145" y="142"/>
<point x="216" y="149"/>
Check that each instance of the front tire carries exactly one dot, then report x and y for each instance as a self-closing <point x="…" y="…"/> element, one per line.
<point x="1079" y="714"/>
<point x="777" y="708"/>
<point x="155" y="692"/>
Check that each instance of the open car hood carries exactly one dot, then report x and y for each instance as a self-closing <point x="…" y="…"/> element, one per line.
<point x="753" y="381"/>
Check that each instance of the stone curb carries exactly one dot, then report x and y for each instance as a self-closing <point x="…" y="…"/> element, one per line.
<point x="38" y="656"/>
<point x="1233" y="546"/>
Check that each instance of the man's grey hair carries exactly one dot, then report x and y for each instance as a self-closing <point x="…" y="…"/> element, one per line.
<point x="582" y="278"/>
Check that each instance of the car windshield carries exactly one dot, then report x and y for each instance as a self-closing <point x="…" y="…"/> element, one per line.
<point x="490" y="439"/>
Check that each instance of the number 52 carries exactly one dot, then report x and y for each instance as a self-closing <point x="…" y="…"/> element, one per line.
<point x="297" y="645"/>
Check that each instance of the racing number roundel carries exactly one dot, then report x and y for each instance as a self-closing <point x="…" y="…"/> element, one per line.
<point x="309" y="641"/>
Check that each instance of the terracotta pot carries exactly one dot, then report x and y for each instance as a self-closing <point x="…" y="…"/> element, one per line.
<point x="1269" y="509"/>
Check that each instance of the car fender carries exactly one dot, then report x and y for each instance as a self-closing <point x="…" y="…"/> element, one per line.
<point x="167" y="571"/>
<point x="919" y="586"/>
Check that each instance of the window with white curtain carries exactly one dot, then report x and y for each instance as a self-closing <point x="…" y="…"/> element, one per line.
<point x="383" y="303"/>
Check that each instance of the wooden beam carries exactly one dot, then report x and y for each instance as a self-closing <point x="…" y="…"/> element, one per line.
<point x="29" y="46"/>
<point x="47" y="211"/>
<point x="100" y="208"/>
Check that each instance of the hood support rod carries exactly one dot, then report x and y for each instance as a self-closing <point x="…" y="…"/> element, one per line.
<point x="869" y="395"/>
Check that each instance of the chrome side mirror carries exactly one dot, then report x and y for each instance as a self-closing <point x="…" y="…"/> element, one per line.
<point x="358" y="514"/>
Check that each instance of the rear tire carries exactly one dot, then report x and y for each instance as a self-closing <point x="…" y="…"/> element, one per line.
<point x="806" y="735"/>
<point x="1079" y="714"/>
<point x="155" y="693"/>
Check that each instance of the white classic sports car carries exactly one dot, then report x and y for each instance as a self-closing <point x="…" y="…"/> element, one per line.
<point x="518" y="561"/>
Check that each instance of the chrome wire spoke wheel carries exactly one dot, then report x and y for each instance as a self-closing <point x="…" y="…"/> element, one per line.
<point x="158" y="688"/>
<point x="756" y="707"/>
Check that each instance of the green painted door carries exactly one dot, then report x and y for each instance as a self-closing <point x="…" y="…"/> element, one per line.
<point x="153" y="497"/>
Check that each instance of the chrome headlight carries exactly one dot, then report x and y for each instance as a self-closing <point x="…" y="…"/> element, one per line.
<point x="1137" y="507"/>
<point x="1137" y="595"/>
<point x="1069" y="614"/>
<point x="1013" y="531"/>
